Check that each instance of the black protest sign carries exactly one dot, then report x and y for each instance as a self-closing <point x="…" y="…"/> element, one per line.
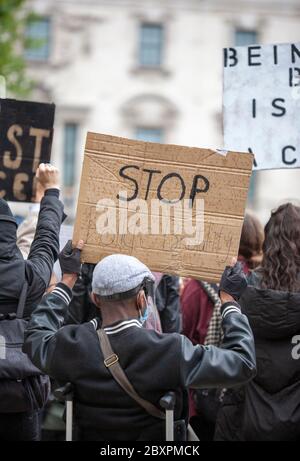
<point x="26" y="132"/>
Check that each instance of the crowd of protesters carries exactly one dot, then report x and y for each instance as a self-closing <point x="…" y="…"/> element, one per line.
<point x="224" y="349"/>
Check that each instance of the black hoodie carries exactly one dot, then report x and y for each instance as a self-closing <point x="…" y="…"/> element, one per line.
<point x="37" y="269"/>
<point x="268" y="408"/>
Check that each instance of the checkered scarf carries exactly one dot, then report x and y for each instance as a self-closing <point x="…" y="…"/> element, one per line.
<point x="214" y="333"/>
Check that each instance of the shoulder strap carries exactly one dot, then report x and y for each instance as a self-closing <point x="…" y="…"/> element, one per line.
<point x="22" y="301"/>
<point x="111" y="361"/>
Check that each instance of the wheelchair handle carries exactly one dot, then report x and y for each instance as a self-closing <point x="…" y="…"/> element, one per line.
<point x="64" y="393"/>
<point x="168" y="401"/>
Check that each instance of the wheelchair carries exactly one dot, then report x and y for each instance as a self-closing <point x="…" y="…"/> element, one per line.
<point x="167" y="402"/>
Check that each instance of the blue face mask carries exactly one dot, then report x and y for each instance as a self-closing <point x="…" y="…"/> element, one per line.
<point x="144" y="316"/>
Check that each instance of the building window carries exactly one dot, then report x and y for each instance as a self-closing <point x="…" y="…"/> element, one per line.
<point x="149" y="134"/>
<point x="245" y="37"/>
<point x="151" y="45"/>
<point x="38" y="39"/>
<point x="70" y="140"/>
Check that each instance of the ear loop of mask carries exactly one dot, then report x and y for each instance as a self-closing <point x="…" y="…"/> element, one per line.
<point x="143" y="317"/>
<point x="149" y="302"/>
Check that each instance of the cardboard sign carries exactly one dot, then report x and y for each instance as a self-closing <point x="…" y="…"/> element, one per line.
<point x="261" y="103"/>
<point x="26" y="131"/>
<point x="178" y="209"/>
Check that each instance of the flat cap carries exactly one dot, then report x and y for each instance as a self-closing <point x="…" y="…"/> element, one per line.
<point x="117" y="274"/>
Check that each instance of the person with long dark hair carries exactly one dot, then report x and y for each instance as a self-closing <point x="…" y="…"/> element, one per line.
<point x="201" y="317"/>
<point x="252" y="237"/>
<point x="268" y="408"/>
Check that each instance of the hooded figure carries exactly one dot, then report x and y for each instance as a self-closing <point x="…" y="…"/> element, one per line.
<point x="12" y="267"/>
<point x="23" y="389"/>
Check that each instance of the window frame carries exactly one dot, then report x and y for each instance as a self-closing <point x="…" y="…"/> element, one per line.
<point x="157" y="63"/>
<point x="37" y="54"/>
<point x="159" y="139"/>
<point x="72" y="155"/>
<point x="241" y="30"/>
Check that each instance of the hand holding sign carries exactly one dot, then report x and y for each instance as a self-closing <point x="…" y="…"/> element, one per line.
<point x="233" y="282"/>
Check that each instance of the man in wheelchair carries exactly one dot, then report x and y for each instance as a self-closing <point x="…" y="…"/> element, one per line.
<point x="120" y="370"/>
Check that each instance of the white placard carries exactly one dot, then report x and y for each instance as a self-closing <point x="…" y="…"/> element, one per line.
<point x="261" y="103"/>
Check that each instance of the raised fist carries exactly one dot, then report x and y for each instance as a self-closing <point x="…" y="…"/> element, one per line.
<point x="48" y="176"/>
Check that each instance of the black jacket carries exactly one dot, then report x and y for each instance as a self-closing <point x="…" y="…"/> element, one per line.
<point x="267" y="408"/>
<point x="168" y="303"/>
<point x="81" y="308"/>
<point x="154" y="363"/>
<point x="37" y="269"/>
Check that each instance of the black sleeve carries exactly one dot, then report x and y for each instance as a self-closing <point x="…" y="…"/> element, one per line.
<point x="40" y="339"/>
<point x="81" y="309"/>
<point x="168" y="304"/>
<point x="231" y="364"/>
<point x="45" y="246"/>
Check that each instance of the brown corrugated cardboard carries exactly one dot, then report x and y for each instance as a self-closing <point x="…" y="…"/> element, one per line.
<point x="114" y="165"/>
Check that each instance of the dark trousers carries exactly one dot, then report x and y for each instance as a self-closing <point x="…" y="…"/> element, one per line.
<point x="20" y="426"/>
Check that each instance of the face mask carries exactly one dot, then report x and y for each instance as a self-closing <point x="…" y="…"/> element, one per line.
<point x="143" y="317"/>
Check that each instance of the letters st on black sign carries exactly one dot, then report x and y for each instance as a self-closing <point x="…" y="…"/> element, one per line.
<point x="26" y="132"/>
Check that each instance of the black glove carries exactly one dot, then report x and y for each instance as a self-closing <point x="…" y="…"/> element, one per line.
<point x="233" y="281"/>
<point x="69" y="259"/>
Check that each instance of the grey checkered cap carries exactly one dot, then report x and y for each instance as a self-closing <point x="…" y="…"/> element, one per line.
<point x="117" y="274"/>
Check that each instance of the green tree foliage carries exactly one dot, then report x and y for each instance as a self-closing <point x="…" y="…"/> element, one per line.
<point x="13" y="20"/>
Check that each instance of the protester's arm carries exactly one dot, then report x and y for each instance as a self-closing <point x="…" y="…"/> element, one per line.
<point x="40" y="339"/>
<point x="81" y="309"/>
<point x="232" y="364"/>
<point x="26" y="231"/>
<point x="78" y="304"/>
<point x="41" y="335"/>
<point x="45" y="246"/>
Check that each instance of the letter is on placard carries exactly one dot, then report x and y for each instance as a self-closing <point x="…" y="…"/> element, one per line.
<point x="2" y="176"/>
<point x="230" y="57"/>
<point x="123" y="175"/>
<point x="18" y="186"/>
<point x="39" y="134"/>
<point x="164" y="179"/>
